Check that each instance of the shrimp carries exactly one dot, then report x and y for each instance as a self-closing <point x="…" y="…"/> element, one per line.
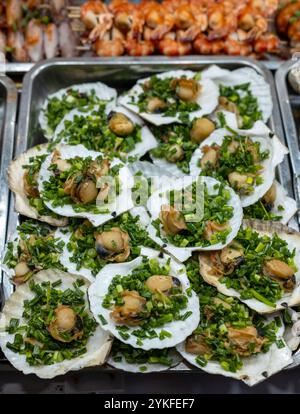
<point x="14" y="13"/>
<point x="284" y="16"/>
<point x="158" y="19"/>
<point x="51" y="40"/>
<point x="251" y="24"/>
<point x="171" y="46"/>
<point x="96" y="16"/>
<point x="122" y="11"/>
<point x="34" y="40"/>
<point x="234" y="47"/>
<point x="199" y="25"/>
<point x="268" y="43"/>
<point x="112" y="44"/>
<point x="16" y="42"/>
<point x="139" y="47"/>
<point x="221" y="21"/>
<point x="204" y="46"/>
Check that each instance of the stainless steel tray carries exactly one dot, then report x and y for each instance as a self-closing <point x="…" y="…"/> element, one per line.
<point x="47" y="77"/>
<point x="18" y="69"/>
<point x="289" y="103"/>
<point x="8" y="109"/>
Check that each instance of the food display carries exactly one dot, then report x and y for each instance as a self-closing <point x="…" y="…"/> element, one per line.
<point x="154" y="231"/>
<point x="33" y="30"/>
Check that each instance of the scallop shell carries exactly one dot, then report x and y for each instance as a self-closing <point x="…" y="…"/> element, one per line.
<point x="122" y="203"/>
<point x="179" y="329"/>
<point x="167" y="166"/>
<point x="292" y="333"/>
<point x="292" y="238"/>
<point x="183" y="253"/>
<point x="98" y="345"/>
<point x="148" y="141"/>
<point x="259" y="87"/>
<point x="255" y="368"/>
<point x="103" y="92"/>
<point x="208" y="98"/>
<point x="288" y="203"/>
<point x="15" y="175"/>
<point x="144" y="368"/>
<point x="65" y="235"/>
<point x="259" y="133"/>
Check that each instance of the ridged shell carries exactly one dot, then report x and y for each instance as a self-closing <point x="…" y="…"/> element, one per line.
<point x="183" y="253"/>
<point x="259" y="133"/>
<point x="179" y="329"/>
<point x="147" y="368"/>
<point x="292" y="237"/>
<point x="122" y="203"/>
<point x="141" y="148"/>
<point x="259" y="87"/>
<point x="208" y="98"/>
<point x="15" y="173"/>
<point x="255" y="368"/>
<point x="103" y="92"/>
<point x="98" y="345"/>
<point x="65" y="235"/>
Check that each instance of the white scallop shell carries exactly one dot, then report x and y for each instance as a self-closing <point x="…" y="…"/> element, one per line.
<point x="208" y="98"/>
<point x="263" y="228"/>
<point x="292" y="332"/>
<point x="167" y="166"/>
<point x="127" y="367"/>
<point x="148" y="141"/>
<point x="98" y="345"/>
<point x="122" y="203"/>
<point x="288" y="203"/>
<point x="103" y="92"/>
<point x="183" y="253"/>
<point x="15" y="238"/>
<point x="253" y="367"/>
<point x="15" y="173"/>
<point x="179" y="329"/>
<point x="259" y="133"/>
<point x="259" y="87"/>
<point x="65" y="235"/>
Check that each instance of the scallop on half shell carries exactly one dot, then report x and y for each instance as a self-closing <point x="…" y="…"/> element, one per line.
<point x="122" y="203"/>
<point x="159" y="198"/>
<point x="98" y="345"/>
<point x="15" y="174"/>
<point x="258" y="85"/>
<point x="268" y="142"/>
<point x="268" y="228"/>
<point x="147" y="142"/>
<point x="256" y="368"/>
<point x="101" y="90"/>
<point x="178" y="330"/>
<point x="207" y="99"/>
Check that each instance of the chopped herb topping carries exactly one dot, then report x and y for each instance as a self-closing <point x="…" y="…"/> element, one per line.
<point x="246" y="103"/>
<point x="36" y="339"/>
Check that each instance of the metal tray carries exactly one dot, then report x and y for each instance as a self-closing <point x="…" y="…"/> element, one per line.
<point x="47" y="77"/>
<point x="8" y="109"/>
<point x="289" y="103"/>
<point x="15" y="69"/>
